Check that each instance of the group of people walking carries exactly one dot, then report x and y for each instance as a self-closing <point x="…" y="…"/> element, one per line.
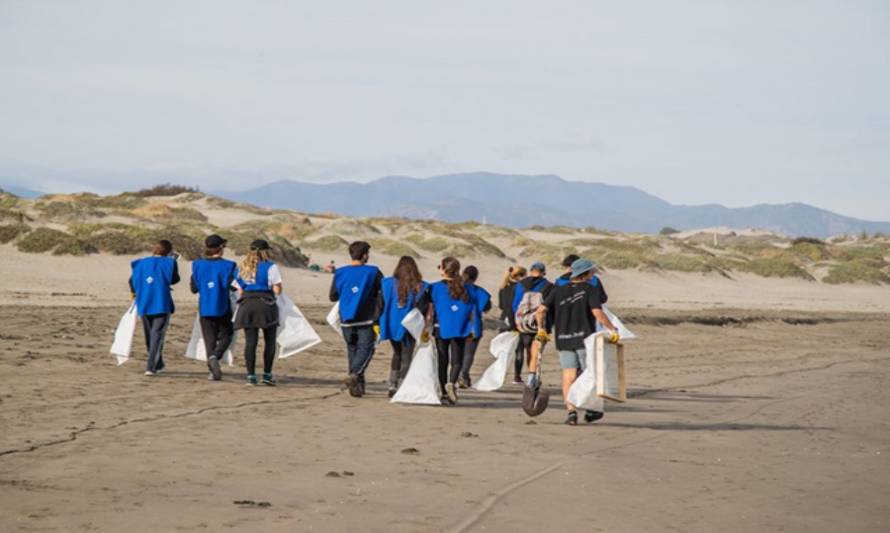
<point x="372" y="308"/>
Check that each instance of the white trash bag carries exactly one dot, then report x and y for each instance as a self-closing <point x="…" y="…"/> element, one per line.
<point x="421" y="385"/>
<point x="334" y="319"/>
<point x="623" y="332"/>
<point x="582" y="393"/>
<point x="503" y="348"/>
<point x="295" y="333"/>
<point x="197" y="350"/>
<point x="123" y="335"/>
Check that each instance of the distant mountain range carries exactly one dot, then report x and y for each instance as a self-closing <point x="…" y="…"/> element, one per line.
<point x="547" y="200"/>
<point x="21" y="192"/>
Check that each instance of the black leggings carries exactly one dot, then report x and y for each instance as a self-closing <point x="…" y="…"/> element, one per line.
<point x="402" y="352"/>
<point x="456" y="349"/>
<point x="251" y="339"/>
<point x="523" y="352"/>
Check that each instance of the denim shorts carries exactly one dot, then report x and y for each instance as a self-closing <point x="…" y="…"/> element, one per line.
<point x="569" y="359"/>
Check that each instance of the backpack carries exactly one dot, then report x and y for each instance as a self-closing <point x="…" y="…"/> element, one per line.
<point x="525" y="313"/>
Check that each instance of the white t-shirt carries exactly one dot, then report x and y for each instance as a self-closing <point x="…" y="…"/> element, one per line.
<point x="274" y="276"/>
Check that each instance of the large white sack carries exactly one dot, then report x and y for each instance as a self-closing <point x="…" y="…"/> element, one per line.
<point x="334" y="319"/>
<point x="295" y="333"/>
<point x="503" y="348"/>
<point x="123" y="335"/>
<point x="197" y="350"/>
<point x="421" y="385"/>
<point x="582" y="393"/>
<point x="607" y="384"/>
<point x="623" y="332"/>
<point x="414" y="322"/>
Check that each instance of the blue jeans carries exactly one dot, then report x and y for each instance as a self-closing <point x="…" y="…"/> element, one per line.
<point x="359" y="347"/>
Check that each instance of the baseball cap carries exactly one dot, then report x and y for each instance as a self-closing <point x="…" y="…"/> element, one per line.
<point x="214" y="241"/>
<point x="259" y="244"/>
<point x="539" y="266"/>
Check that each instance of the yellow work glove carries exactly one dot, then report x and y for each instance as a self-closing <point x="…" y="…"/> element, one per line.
<point x="542" y="336"/>
<point x="377" y="329"/>
<point x="614" y="337"/>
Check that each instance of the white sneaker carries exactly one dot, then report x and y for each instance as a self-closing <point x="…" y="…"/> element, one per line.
<point x="150" y="373"/>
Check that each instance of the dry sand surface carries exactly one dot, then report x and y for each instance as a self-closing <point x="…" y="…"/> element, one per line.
<point x="743" y="417"/>
<point x="758" y="425"/>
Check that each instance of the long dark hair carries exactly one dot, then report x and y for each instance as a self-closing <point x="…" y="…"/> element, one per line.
<point x="408" y="279"/>
<point x="451" y="271"/>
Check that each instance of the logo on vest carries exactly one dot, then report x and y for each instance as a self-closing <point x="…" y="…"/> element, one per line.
<point x="211" y="284"/>
<point x="355" y="290"/>
<point x="149" y="280"/>
<point x="455" y="308"/>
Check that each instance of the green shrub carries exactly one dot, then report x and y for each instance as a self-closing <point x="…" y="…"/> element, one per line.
<point x="164" y="189"/>
<point x="328" y="243"/>
<point x="119" y="243"/>
<point x="810" y="250"/>
<point x="667" y="230"/>
<point x="680" y="263"/>
<point x="776" y="268"/>
<point x="10" y="232"/>
<point x="43" y="240"/>
<point x="618" y="261"/>
<point x="392" y="248"/>
<point x="75" y="247"/>
<point x="855" y="271"/>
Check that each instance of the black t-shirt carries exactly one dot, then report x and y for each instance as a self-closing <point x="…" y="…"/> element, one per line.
<point x="572" y="307"/>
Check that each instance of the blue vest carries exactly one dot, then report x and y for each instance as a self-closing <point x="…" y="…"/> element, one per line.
<point x="354" y="284"/>
<point x="152" y="277"/>
<point x="391" y="319"/>
<point x="214" y="280"/>
<point x="455" y="317"/>
<point x="560" y="281"/>
<point x="481" y="297"/>
<point x="261" y="281"/>
<point x="520" y="291"/>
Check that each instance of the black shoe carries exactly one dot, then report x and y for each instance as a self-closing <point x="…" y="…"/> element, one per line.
<point x="251" y="379"/>
<point x="353" y="385"/>
<point x="592" y="416"/>
<point x="215" y="370"/>
<point x="269" y="380"/>
<point x="392" y="391"/>
<point x="572" y="419"/>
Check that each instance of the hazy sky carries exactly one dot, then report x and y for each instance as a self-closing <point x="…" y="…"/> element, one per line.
<point x="731" y="102"/>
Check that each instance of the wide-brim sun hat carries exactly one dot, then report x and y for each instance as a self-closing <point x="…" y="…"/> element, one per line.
<point x="582" y="266"/>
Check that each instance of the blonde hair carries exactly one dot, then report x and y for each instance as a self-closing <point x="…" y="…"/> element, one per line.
<point x="247" y="268"/>
<point x="513" y="275"/>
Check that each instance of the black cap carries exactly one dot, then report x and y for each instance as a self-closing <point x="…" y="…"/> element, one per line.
<point x="214" y="241"/>
<point x="259" y="244"/>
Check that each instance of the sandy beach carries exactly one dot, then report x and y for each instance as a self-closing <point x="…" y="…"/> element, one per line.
<point x="746" y="414"/>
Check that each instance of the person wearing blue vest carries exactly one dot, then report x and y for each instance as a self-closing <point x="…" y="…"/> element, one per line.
<point x="566" y="278"/>
<point x="151" y="282"/>
<point x="451" y="312"/>
<point x="402" y="292"/>
<point x="482" y="298"/>
<point x="536" y="281"/>
<point x="258" y="281"/>
<point x="357" y="288"/>
<point x="211" y="280"/>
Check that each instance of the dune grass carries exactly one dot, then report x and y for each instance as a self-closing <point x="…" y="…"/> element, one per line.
<point x="328" y="243"/>
<point x="9" y="232"/>
<point x="43" y="240"/>
<point x="392" y="248"/>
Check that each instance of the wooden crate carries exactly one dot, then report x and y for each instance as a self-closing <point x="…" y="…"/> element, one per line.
<point x="610" y="379"/>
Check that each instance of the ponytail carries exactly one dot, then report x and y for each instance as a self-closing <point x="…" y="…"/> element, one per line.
<point x="451" y="272"/>
<point x="513" y="275"/>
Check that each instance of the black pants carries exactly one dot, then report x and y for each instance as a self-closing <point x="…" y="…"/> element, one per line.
<point x="402" y="352"/>
<point x="155" y="329"/>
<point x="251" y="339"/>
<point x="359" y="348"/>
<point x="453" y="350"/>
<point x="523" y="351"/>
<point x="469" y="356"/>
<point x="217" y="332"/>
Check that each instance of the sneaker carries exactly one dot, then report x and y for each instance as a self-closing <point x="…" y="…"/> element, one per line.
<point x="517" y="380"/>
<point x="251" y="379"/>
<point x="210" y="376"/>
<point x="361" y="384"/>
<point x="592" y="416"/>
<point x="463" y="382"/>
<point x="572" y="419"/>
<point x="150" y="373"/>
<point x="215" y="370"/>
<point x="352" y="383"/>
<point x="451" y="393"/>
<point x="268" y="380"/>
<point x="392" y="391"/>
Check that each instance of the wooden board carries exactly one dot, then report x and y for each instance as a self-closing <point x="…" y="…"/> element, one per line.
<point x="611" y="382"/>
